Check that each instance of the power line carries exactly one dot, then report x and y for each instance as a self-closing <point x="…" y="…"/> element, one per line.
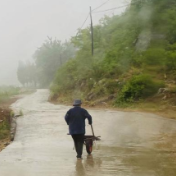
<point x="113" y="8"/>
<point x="83" y="23"/>
<point x="101" y="5"/>
<point x="102" y="11"/>
<point x="118" y="7"/>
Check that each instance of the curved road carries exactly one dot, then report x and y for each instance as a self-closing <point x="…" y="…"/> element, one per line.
<point x="133" y="144"/>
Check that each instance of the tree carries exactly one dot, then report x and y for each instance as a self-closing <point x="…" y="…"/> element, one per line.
<point x="27" y="74"/>
<point x="50" y="57"/>
<point x="21" y="73"/>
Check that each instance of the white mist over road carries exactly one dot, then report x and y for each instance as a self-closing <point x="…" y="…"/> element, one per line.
<point x="133" y="144"/>
<point x="25" y="25"/>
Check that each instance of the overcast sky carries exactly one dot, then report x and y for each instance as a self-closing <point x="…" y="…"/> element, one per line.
<point x="25" y="24"/>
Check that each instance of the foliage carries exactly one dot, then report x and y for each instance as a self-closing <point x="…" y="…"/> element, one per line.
<point x="143" y="37"/>
<point x="139" y="86"/>
<point x="49" y="57"/>
<point x="4" y="123"/>
<point x="4" y="129"/>
<point x="27" y="74"/>
<point x="21" y="113"/>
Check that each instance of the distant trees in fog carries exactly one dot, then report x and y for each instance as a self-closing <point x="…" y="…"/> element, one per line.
<point x="27" y="74"/>
<point x="47" y="60"/>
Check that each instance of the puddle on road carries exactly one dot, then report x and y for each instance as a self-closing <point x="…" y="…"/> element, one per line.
<point x="131" y="161"/>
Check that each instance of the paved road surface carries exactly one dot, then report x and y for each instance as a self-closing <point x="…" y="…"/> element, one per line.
<point x="133" y="144"/>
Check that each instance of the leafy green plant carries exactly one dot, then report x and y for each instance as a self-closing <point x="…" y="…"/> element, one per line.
<point x="4" y="129"/>
<point x="12" y="113"/>
<point x="139" y="86"/>
<point x="21" y="113"/>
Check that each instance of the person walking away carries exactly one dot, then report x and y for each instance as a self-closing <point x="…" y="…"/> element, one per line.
<point x="75" y="119"/>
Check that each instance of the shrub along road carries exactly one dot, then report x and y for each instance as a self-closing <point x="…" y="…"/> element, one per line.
<point x="5" y="121"/>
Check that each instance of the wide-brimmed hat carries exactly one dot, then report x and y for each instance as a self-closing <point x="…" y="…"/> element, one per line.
<point x="77" y="103"/>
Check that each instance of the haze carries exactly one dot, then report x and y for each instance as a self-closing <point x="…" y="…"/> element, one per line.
<point x="25" y="24"/>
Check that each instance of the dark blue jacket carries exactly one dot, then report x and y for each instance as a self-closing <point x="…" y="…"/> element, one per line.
<point x="75" y="118"/>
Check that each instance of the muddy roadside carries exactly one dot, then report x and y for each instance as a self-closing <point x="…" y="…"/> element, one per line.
<point x="163" y="108"/>
<point x="5" y="121"/>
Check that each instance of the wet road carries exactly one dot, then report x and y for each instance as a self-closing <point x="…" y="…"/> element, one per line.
<point x="133" y="144"/>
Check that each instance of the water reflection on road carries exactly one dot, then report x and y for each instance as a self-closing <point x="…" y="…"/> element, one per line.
<point x="129" y="161"/>
<point x="133" y="144"/>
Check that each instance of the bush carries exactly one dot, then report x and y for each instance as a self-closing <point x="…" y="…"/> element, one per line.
<point x="139" y="86"/>
<point x="4" y="129"/>
<point x="111" y="86"/>
<point x="154" y="56"/>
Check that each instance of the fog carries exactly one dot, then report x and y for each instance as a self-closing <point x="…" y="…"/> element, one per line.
<point x="25" y="24"/>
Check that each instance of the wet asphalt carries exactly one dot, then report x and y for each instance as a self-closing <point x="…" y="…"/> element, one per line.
<point x="132" y="144"/>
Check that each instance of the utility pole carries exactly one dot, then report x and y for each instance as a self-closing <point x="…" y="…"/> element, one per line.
<point x="92" y="32"/>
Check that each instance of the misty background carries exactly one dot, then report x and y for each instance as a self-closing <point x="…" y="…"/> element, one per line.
<point x="25" y="25"/>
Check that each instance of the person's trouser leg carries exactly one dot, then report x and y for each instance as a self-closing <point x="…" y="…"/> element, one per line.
<point x="79" y="141"/>
<point x="80" y="145"/>
<point x="75" y="142"/>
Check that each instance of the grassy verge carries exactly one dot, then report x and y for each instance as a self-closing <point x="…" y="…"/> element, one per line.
<point x="4" y="127"/>
<point x="7" y="97"/>
<point x="163" y="108"/>
<point x="6" y="92"/>
<point x="155" y="105"/>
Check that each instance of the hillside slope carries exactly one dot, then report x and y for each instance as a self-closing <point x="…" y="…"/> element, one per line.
<point x="135" y="57"/>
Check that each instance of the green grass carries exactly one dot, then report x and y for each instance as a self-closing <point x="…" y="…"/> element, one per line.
<point x="7" y="91"/>
<point x="4" y="129"/>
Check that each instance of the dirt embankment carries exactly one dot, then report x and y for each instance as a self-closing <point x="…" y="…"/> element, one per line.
<point x="163" y="104"/>
<point x="5" y="122"/>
